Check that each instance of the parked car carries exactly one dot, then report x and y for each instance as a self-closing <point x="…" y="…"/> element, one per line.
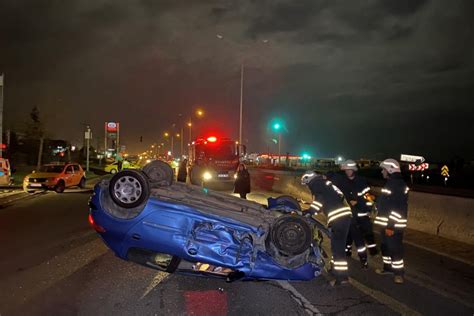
<point x="55" y="177"/>
<point x="5" y="172"/>
<point x="147" y="218"/>
<point x="113" y="167"/>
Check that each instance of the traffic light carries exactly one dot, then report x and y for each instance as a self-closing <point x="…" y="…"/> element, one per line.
<point x="141" y="139"/>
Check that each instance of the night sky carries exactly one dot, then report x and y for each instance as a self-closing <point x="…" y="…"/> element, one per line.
<point x="357" y="78"/>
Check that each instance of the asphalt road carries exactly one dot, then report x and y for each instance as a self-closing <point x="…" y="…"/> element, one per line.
<point x="52" y="263"/>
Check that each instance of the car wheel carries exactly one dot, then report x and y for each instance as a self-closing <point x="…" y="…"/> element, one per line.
<point x="129" y="188"/>
<point x="60" y="187"/>
<point x="113" y="171"/>
<point x="291" y="235"/>
<point x="159" y="172"/>
<point x="288" y="201"/>
<point x="82" y="183"/>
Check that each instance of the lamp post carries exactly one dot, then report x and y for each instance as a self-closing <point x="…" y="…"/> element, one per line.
<point x="199" y="113"/>
<point x="277" y="128"/>
<point x="221" y="37"/>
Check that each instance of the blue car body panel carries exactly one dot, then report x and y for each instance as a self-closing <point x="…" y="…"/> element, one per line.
<point x="183" y="231"/>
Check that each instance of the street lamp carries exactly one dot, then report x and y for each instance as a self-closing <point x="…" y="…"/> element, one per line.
<point x="221" y="37"/>
<point x="199" y="113"/>
<point x="277" y="127"/>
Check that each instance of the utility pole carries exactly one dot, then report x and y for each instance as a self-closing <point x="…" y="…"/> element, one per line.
<point x="172" y="145"/>
<point x="40" y="153"/>
<point x="118" y="139"/>
<point x="182" y="142"/>
<point x="241" y="100"/>
<point x="105" y="143"/>
<point x="88" y="136"/>
<point x="2" y="92"/>
<point x="279" y="148"/>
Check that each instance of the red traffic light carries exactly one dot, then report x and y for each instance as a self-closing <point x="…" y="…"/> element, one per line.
<point x="212" y="139"/>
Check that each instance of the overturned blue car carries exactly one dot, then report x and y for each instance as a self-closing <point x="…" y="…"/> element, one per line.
<point x="147" y="218"/>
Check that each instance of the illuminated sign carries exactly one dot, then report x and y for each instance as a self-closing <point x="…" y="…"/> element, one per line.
<point x="112" y="127"/>
<point x="412" y="158"/>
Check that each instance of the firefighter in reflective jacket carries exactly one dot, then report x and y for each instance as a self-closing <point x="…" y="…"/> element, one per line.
<point x="330" y="200"/>
<point x="356" y="191"/>
<point x="392" y="206"/>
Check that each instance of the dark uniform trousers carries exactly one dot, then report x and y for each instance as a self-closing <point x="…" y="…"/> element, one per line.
<point x="366" y="229"/>
<point x="392" y="252"/>
<point x="355" y="236"/>
<point x="339" y="229"/>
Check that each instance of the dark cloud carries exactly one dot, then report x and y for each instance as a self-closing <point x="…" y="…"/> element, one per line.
<point x="342" y="74"/>
<point x="285" y="16"/>
<point x="402" y="7"/>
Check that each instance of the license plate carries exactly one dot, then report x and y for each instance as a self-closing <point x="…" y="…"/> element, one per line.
<point x="222" y="175"/>
<point x="35" y="184"/>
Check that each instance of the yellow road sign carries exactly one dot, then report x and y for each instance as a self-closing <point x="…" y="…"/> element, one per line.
<point x="445" y="171"/>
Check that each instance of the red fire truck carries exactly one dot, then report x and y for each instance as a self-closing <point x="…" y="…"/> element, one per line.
<point x="214" y="159"/>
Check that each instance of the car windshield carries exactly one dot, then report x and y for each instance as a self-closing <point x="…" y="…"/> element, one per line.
<point x="55" y="169"/>
<point x="219" y="151"/>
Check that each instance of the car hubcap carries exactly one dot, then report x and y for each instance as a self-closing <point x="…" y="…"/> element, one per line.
<point x="127" y="189"/>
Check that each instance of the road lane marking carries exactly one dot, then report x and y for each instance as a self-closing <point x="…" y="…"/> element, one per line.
<point x="23" y="286"/>
<point x="299" y="298"/>
<point x="157" y="279"/>
<point x="384" y="299"/>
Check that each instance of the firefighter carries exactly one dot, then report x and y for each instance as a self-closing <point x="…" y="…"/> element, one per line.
<point x="330" y="200"/>
<point x="358" y="194"/>
<point x="354" y="188"/>
<point x="392" y="207"/>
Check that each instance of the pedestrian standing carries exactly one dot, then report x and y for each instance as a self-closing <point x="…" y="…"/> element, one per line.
<point x="330" y="200"/>
<point x="242" y="181"/>
<point x="392" y="207"/>
<point x="183" y="171"/>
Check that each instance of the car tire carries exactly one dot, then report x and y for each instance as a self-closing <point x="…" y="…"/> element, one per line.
<point x="291" y="235"/>
<point x="159" y="172"/>
<point x="289" y="201"/>
<point x="113" y="171"/>
<point x="82" y="183"/>
<point x="129" y="188"/>
<point x="60" y="187"/>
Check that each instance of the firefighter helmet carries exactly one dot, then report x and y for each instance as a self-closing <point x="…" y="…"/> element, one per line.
<point x="391" y="165"/>
<point x="349" y="165"/>
<point x="309" y="176"/>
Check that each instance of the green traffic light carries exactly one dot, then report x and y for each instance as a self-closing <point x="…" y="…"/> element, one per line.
<point x="276" y="126"/>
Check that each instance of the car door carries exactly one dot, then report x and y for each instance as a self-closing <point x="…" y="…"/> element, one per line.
<point x="78" y="174"/>
<point x="69" y="176"/>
